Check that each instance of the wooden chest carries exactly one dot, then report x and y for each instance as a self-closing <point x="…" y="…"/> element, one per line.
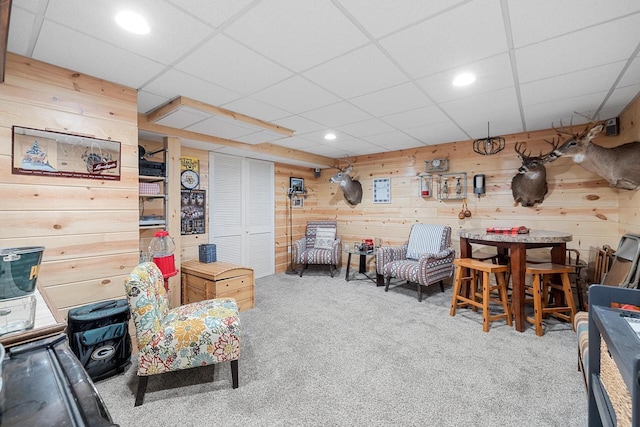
<point x="202" y="281"/>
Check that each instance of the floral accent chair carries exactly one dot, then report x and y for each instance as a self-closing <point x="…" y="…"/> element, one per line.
<point x="319" y="246"/>
<point x="192" y="335"/>
<point x="425" y="259"/>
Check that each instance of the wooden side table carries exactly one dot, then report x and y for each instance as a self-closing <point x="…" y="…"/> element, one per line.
<point x="203" y="281"/>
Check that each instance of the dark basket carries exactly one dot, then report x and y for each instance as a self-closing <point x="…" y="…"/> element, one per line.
<point x="19" y="269"/>
<point x="207" y="253"/>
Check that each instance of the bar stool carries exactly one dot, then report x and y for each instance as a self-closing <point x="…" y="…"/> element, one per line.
<point x="540" y="287"/>
<point x="459" y="299"/>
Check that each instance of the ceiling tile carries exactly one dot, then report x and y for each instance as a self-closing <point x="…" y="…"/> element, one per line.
<point x="597" y="79"/>
<point x="473" y="31"/>
<point x="542" y="116"/>
<point x="356" y="73"/>
<point x="98" y="59"/>
<point x="318" y="136"/>
<point x="174" y="83"/>
<point x="224" y="62"/>
<point x="489" y="104"/>
<point x="335" y="115"/>
<point x="383" y="17"/>
<point x="318" y="33"/>
<point x="619" y="99"/>
<point x="437" y="133"/>
<point x="417" y="117"/>
<point x="501" y="122"/>
<point x="632" y="75"/>
<point x="172" y="32"/>
<point x="551" y="18"/>
<point x="392" y="141"/>
<point x="491" y="74"/>
<point x="392" y="100"/>
<point x="299" y="124"/>
<point x="183" y="117"/>
<point x="258" y="137"/>
<point x="355" y="146"/>
<point x="222" y="127"/>
<point x="252" y="108"/>
<point x="287" y="94"/>
<point x="366" y="128"/>
<point x="332" y="152"/>
<point x="588" y="48"/>
<point x="149" y="101"/>
<point x="20" y="30"/>
<point x="213" y="12"/>
<point x="296" y="143"/>
<point x="29" y="5"/>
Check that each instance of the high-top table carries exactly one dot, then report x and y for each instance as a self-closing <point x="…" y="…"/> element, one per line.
<point x="515" y="246"/>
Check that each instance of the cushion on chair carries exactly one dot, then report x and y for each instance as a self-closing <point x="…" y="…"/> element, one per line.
<point x="312" y="227"/>
<point x="325" y="238"/>
<point x="424" y="238"/>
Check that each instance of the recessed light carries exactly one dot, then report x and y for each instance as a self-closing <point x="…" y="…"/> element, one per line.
<point x="132" y="22"/>
<point x="464" y="79"/>
<point x="330" y="136"/>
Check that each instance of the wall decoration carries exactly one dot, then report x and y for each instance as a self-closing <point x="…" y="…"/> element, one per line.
<point x="49" y="153"/>
<point x="381" y="190"/>
<point x="190" y="172"/>
<point x="192" y="211"/>
<point x="296" y="185"/>
<point x="297" y="202"/>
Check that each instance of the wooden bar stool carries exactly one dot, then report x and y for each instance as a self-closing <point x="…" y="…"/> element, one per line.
<point x="541" y="285"/>
<point x="463" y="299"/>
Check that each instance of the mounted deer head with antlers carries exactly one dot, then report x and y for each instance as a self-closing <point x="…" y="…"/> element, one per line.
<point x="352" y="189"/>
<point x="529" y="186"/>
<point x="619" y="165"/>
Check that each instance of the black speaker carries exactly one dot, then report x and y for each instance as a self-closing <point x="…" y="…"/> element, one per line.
<point x="612" y="126"/>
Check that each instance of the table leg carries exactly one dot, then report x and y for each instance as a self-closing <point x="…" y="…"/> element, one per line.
<point x="518" y="267"/>
<point x="362" y="267"/>
<point x="346" y="276"/>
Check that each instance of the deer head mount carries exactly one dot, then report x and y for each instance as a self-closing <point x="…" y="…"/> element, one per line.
<point x="352" y="189"/>
<point x="619" y="165"/>
<point x="529" y="186"/>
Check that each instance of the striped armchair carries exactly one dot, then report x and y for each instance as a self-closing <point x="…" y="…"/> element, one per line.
<point x="319" y="246"/>
<point x="425" y="259"/>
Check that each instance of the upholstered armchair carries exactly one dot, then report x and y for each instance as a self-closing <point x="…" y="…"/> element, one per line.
<point x="197" y="334"/>
<point x="426" y="258"/>
<point x="320" y="245"/>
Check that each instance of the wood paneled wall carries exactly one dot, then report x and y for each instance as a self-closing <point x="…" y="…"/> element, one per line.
<point x="88" y="227"/>
<point x="578" y="201"/>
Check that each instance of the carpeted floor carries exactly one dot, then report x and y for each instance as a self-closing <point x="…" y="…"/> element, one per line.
<point x="320" y="351"/>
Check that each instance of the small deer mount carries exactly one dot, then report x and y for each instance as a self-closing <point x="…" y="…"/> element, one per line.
<point x="529" y="186"/>
<point x="352" y="189"/>
<point x="619" y="165"/>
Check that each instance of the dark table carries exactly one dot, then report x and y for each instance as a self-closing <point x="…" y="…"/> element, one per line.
<point x="515" y="247"/>
<point x="362" y="265"/>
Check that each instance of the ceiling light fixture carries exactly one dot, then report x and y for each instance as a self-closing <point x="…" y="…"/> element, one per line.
<point x="132" y="22"/>
<point x="489" y="145"/>
<point x="464" y="79"/>
<point x="330" y="136"/>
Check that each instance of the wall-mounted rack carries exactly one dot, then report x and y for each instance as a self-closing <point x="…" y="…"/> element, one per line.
<point x="452" y="186"/>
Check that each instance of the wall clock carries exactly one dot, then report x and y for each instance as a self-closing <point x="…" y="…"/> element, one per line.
<point x="436" y="165"/>
<point x="189" y="179"/>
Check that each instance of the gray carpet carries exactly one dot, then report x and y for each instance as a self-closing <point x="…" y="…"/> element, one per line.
<point x="320" y="351"/>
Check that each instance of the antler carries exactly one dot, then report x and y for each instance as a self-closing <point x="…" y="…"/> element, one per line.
<point x="522" y="145"/>
<point x="554" y="145"/>
<point x="561" y="131"/>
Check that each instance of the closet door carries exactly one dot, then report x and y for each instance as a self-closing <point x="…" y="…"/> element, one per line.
<point x="241" y="212"/>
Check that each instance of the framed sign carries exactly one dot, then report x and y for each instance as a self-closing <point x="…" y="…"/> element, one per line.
<point x="296" y="185"/>
<point x="193" y="218"/>
<point x="381" y="190"/>
<point x="49" y="153"/>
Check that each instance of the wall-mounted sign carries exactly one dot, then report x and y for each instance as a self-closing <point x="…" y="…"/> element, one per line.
<point x="189" y="172"/>
<point x="381" y="190"/>
<point x="49" y="153"/>
<point x="192" y="211"/>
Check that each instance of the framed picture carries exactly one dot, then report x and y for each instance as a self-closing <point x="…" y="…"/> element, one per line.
<point x="296" y="185"/>
<point x="49" y="153"/>
<point x="298" y="202"/>
<point x="381" y="190"/>
<point x="192" y="211"/>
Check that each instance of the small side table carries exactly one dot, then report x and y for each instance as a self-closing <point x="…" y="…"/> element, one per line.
<point x="362" y="265"/>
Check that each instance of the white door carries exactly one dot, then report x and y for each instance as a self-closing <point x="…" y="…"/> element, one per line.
<point x="241" y="212"/>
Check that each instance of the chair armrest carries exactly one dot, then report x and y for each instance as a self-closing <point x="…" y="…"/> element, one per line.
<point x="435" y="267"/>
<point x="336" y="251"/>
<point x="443" y="254"/>
<point x="298" y="247"/>
<point x="386" y="254"/>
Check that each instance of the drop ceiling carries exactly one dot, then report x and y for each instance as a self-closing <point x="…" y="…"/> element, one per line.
<point x="377" y="73"/>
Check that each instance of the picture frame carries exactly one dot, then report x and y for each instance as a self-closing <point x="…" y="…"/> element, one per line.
<point x="49" y="153"/>
<point x="297" y="202"/>
<point x="382" y="190"/>
<point x="296" y="185"/>
<point x="193" y="219"/>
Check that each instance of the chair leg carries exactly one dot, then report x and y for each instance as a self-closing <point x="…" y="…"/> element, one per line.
<point x="302" y="267"/>
<point x="537" y="303"/>
<point x="441" y="285"/>
<point x="386" y="287"/>
<point x="486" y="291"/>
<point x="234" y="373"/>
<point x="142" y="388"/>
<point x="457" y="284"/>
<point x="419" y="292"/>
<point x="331" y="269"/>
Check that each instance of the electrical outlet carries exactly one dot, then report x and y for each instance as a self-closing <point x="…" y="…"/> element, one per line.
<point x="288" y="249"/>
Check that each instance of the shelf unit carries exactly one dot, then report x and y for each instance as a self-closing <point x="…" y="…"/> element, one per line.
<point x="153" y="206"/>
<point x="426" y="185"/>
<point x="452" y="186"/>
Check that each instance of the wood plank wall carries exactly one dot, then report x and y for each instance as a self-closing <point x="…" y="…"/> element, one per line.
<point x="578" y="201"/>
<point x="88" y="227"/>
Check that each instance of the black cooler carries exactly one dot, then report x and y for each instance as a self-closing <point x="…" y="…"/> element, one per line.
<point x="45" y="385"/>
